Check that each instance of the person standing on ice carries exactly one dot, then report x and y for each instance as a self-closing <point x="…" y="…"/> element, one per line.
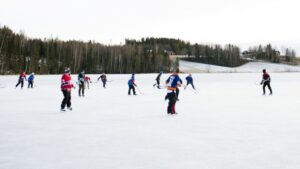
<point x="131" y="85"/>
<point x="189" y="80"/>
<point x="173" y="82"/>
<point x="158" y="80"/>
<point x="103" y="79"/>
<point x="266" y="80"/>
<point x="87" y="80"/>
<point x="81" y="77"/>
<point x="22" y="77"/>
<point x="66" y="87"/>
<point x="30" y="80"/>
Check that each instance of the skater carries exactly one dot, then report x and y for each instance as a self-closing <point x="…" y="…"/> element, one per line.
<point x="131" y="85"/>
<point x="189" y="80"/>
<point x="22" y="77"/>
<point x="158" y="80"/>
<point x="30" y="80"/>
<point x="87" y="81"/>
<point x="66" y="87"/>
<point x="173" y="82"/>
<point x="103" y="79"/>
<point x="266" y="80"/>
<point x="81" y="77"/>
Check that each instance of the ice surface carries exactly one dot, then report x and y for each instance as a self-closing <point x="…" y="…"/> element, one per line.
<point x="227" y="125"/>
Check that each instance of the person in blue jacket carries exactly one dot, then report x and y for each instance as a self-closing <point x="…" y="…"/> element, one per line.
<point x="131" y="85"/>
<point x="173" y="82"/>
<point x="189" y="80"/>
<point x="30" y="80"/>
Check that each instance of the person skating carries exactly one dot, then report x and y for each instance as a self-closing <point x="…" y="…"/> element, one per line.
<point x="66" y="87"/>
<point x="189" y="81"/>
<point x="158" y="80"/>
<point x="131" y="85"/>
<point x="266" y="80"/>
<point x="21" y="79"/>
<point x="87" y="81"/>
<point x="103" y="79"/>
<point x="81" y="83"/>
<point x="30" y="80"/>
<point x="173" y="82"/>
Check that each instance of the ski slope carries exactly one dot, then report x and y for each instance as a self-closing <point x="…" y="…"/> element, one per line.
<point x="228" y="124"/>
<point x="251" y="67"/>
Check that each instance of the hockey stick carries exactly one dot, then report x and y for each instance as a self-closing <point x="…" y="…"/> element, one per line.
<point x="139" y="90"/>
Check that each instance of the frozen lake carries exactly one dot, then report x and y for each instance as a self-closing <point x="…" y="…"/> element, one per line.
<point x="227" y="125"/>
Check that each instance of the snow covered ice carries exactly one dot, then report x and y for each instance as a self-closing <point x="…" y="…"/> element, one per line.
<point x="227" y="125"/>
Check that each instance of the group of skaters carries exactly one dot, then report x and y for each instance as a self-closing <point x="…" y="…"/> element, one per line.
<point x="83" y="81"/>
<point x="22" y="78"/>
<point x="172" y="85"/>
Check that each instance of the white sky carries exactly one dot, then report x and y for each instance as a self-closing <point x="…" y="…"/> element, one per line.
<point x="240" y="22"/>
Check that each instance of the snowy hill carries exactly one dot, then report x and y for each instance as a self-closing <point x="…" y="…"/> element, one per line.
<point x="251" y="67"/>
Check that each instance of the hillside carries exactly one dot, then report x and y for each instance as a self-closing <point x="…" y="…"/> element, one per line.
<point x="251" y="67"/>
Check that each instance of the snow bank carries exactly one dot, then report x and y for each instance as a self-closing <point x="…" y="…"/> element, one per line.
<point x="251" y="67"/>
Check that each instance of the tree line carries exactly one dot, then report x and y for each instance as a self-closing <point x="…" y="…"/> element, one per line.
<point x="51" y="56"/>
<point x="268" y="53"/>
<point x="147" y="55"/>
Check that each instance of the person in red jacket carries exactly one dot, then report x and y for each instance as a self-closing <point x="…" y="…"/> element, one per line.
<point x="22" y="77"/>
<point x="87" y="80"/>
<point x="266" y="80"/>
<point x="66" y="87"/>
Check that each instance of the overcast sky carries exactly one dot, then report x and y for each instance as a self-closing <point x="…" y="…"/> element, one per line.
<point x="240" y="22"/>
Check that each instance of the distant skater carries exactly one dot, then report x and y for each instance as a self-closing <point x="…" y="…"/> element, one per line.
<point x="266" y="80"/>
<point x="87" y="81"/>
<point x="30" y="80"/>
<point x="131" y="85"/>
<point x="173" y="82"/>
<point x="189" y="81"/>
<point x="21" y="79"/>
<point x="66" y="87"/>
<point x="103" y="79"/>
<point x="157" y="84"/>
<point x="81" y="77"/>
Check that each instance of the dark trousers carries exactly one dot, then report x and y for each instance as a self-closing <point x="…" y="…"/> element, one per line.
<point x="81" y="89"/>
<point x="191" y="84"/>
<point x="157" y="83"/>
<point x="30" y="84"/>
<point x="104" y="83"/>
<point x="269" y="86"/>
<point x="172" y="101"/>
<point x="67" y="99"/>
<point x="20" y="82"/>
<point x="131" y="87"/>
<point x="177" y="93"/>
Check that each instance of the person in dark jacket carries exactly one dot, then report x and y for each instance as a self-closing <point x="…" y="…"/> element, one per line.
<point x="22" y="77"/>
<point x="189" y="81"/>
<point x="158" y="80"/>
<point x="30" y="80"/>
<point x="266" y="80"/>
<point x="131" y="85"/>
<point x="103" y="79"/>
<point x="81" y="76"/>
